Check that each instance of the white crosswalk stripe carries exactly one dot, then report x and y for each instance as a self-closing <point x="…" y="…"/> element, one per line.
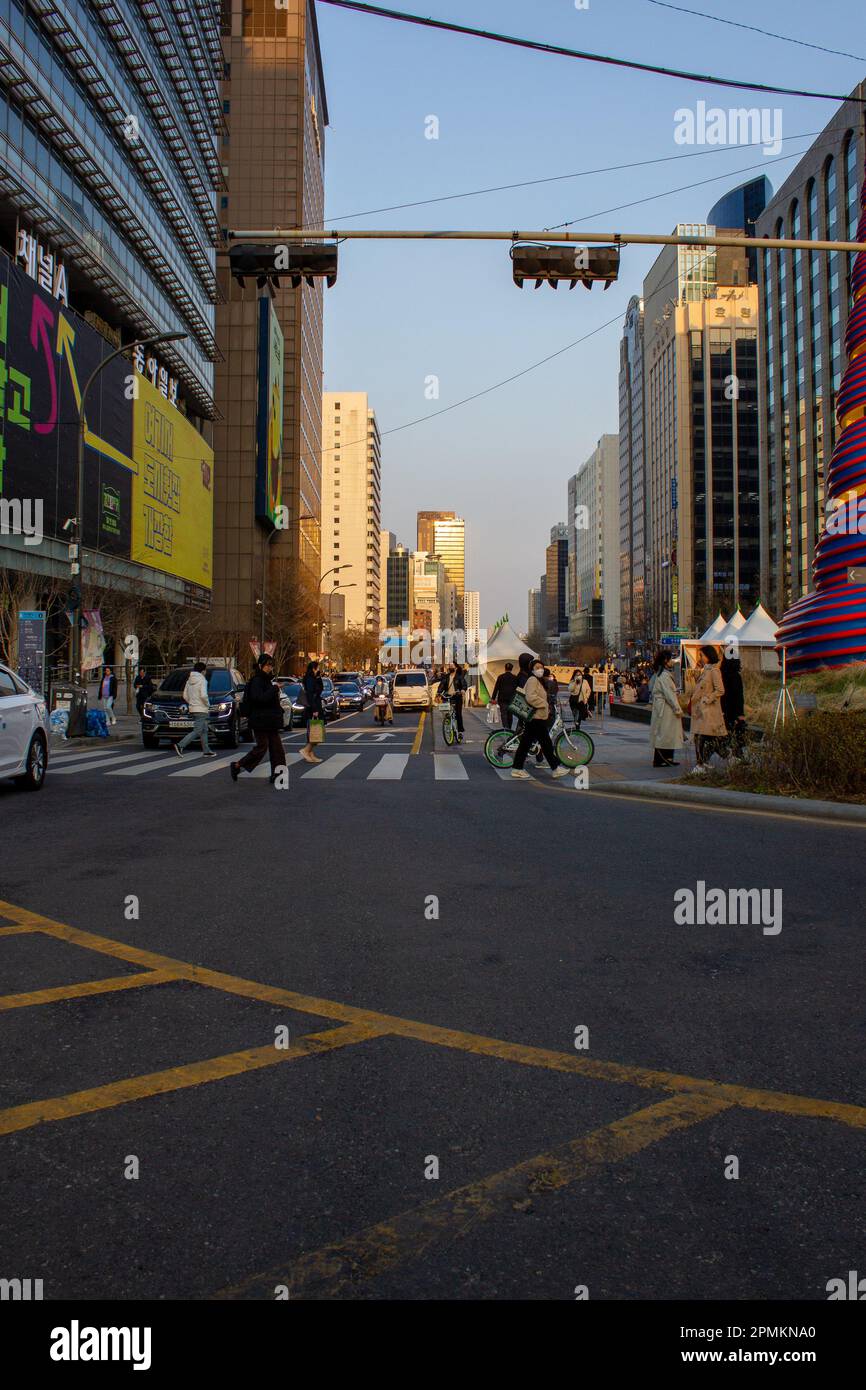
<point x="389" y="768"/>
<point x="384" y="767"/>
<point x="202" y="767"/>
<point x="99" y="762"/>
<point x="332" y="766"/>
<point x="448" y="767"/>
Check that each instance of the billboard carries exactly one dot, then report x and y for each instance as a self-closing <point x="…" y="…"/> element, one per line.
<point x="47" y="354"/>
<point x="269" y="419"/>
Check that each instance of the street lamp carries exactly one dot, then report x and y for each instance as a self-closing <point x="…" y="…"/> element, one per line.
<point x="77" y="554"/>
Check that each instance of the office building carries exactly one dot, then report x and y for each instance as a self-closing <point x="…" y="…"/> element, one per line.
<point x="444" y="534"/>
<point x="269" y="383"/>
<point x="556" y="582"/>
<point x="632" y="479"/>
<point x="741" y="208"/>
<point x="352" y="501"/>
<point x="429" y="592"/>
<point x="594" y="545"/>
<point x="471" y="614"/>
<point x="109" y="174"/>
<point x="401" y="588"/>
<point x="533" y="612"/>
<point x="804" y="302"/>
<point x="387" y="542"/>
<point x="700" y="435"/>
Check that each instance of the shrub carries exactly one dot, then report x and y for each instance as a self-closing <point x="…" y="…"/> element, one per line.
<point x="821" y="755"/>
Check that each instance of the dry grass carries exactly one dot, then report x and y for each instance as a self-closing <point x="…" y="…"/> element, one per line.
<point x="833" y="689"/>
<point x="822" y="755"/>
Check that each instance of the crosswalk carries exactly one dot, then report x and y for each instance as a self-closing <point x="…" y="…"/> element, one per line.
<point x="366" y="762"/>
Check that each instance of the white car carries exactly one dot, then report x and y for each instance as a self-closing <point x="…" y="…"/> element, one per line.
<point x="410" y="690"/>
<point x="23" y="732"/>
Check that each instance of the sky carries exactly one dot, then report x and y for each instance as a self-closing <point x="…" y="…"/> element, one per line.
<point x="405" y="312"/>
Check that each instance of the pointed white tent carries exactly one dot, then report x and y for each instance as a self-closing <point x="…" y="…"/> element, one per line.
<point x="731" y="628"/>
<point x="714" y="629"/>
<point x="759" y="630"/>
<point x="504" y="645"/>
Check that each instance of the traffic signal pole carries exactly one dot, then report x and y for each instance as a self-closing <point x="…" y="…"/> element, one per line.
<point x="281" y="234"/>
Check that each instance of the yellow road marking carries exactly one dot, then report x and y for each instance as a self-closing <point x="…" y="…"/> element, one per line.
<point x="18" y="930"/>
<point x="85" y="988"/>
<point x="159" y="1083"/>
<point x="335" y="1270"/>
<point x="747" y="1097"/>
<point x="419" y="733"/>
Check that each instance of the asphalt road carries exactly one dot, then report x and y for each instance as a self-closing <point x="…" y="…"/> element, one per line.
<point x="431" y="937"/>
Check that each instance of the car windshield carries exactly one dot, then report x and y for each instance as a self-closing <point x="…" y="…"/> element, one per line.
<point x="292" y="688"/>
<point x="410" y="678"/>
<point x="348" y="687"/>
<point x="219" y="680"/>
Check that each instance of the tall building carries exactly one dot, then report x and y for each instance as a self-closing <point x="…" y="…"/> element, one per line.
<point x="594" y="544"/>
<point x="632" y="478"/>
<point x="269" y="454"/>
<point x="444" y="534"/>
<point x="472" y="614"/>
<point x="701" y="444"/>
<point x="387" y="542"/>
<point x="533" y="612"/>
<point x="741" y="208"/>
<point x="429" y="592"/>
<point x="401" y="588"/>
<point x="109" y="172"/>
<point x="556" y="581"/>
<point x="804" y="301"/>
<point x="352" y="501"/>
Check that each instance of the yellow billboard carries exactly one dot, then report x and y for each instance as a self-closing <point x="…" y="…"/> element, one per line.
<point x="172" y="491"/>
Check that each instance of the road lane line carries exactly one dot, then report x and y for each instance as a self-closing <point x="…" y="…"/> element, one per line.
<point x="448" y="767"/>
<point x="332" y="766"/>
<point x="335" y="1270"/>
<point x="748" y="1098"/>
<point x="85" y="988"/>
<point x="160" y="1083"/>
<point x="419" y="732"/>
<point x="389" y="768"/>
<point x="98" y="762"/>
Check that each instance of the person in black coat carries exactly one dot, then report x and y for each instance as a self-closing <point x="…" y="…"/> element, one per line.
<point x="503" y="694"/>
<point x="261" y="705"/>
<point x="313" y="687"/>
<point x="734" y="704"/>
<point x="144" y="687"/>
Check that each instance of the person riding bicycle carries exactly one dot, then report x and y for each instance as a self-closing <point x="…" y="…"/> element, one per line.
<point x="454" y="682"/>
<point x="535" y="730"/>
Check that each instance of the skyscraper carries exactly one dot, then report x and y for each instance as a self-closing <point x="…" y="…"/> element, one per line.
<point x="352" y="501"/>
<point x="444" y="534"/>
<point x="556" y="581"/>
<point x="273" y="156"/>
<point x="594" y="535"/>
<point x="632" y="476"/>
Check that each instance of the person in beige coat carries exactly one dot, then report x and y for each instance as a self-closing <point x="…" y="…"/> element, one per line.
<point x="708" y="722"/>
<point x="666" y="720"/>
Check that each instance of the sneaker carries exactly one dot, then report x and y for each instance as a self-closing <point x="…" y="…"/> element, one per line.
<point x="179" y="751"/>
<point x="518" y="772"/>
<point x="209" y="754"/>
<point x="560" y="772"/>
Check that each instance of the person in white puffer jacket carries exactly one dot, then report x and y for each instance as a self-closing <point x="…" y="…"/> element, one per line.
<point x="196" y="696"/>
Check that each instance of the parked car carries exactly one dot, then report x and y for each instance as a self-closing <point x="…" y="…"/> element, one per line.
<point x="166" y="714"/>
<point x="350" y="695"/>
<point x="410" y="690"/>
<point x="23" y="732"/>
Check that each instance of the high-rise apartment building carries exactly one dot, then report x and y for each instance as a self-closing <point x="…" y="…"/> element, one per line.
<point x="401" y="587"/>
<point x="387" y="542"/>
<point x="594" y="540"/>
<point x="471" y="614"/>
<point x="444" y="534"/>
<point x="352" y="501"/>
<point x="109" y="174"/>
<point x="632" y="477"/>
<point x="804" y="301"/>
<point x="701" y="441"/>
<point x="556" y="581"/>
<point x="272" y="157"/>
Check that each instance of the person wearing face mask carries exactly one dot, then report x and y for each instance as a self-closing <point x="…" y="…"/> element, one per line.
<point x="535" y="729"/>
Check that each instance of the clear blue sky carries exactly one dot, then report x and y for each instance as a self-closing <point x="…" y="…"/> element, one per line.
<point x="404" y="311"/>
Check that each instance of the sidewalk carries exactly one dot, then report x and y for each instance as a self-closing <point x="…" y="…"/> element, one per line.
<point x="622" y="750"/>
<point x="126" y="730"/>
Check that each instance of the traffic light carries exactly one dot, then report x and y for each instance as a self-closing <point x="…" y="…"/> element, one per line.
<point x="574" y="264"/>
<point x="268" y="263"/>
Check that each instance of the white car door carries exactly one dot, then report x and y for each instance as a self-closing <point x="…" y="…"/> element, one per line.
<point x="17" y="721"/>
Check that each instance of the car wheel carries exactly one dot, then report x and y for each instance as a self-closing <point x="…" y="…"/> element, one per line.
<point x="149" y="741"/>
<point x="34" y="775"/>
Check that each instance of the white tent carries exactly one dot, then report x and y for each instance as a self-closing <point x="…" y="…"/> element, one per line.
<point x="504" y="645"/>
<point x="714" y="629"/>
<point x="759" y="630"/>
<point x="731" y="628"/>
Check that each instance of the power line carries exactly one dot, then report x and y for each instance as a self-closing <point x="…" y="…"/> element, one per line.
<point x="382" y="13"/>
<point x="753" y="28"/>
<point x="559" y="178"/>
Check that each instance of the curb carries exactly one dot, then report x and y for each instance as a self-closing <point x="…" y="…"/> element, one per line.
<point x="739" y="801"/>
<point x="85" y="741"/>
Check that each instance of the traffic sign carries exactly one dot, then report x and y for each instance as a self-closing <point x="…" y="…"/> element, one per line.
<point x="600" y="680"/>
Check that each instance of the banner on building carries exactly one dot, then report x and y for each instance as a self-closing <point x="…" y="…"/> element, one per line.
<point x="269" y="422"/>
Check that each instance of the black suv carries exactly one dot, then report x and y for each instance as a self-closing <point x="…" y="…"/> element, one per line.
<point x="166" y="714"/>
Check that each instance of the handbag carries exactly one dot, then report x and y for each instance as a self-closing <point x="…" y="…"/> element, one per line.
<point x="494" y="716"/>
<point x="520" y="706"/>
<point x="316" y="731"/>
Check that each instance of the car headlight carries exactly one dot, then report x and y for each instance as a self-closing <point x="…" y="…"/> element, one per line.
<point x="148" y="708"/>
<point x="224" y="707"/>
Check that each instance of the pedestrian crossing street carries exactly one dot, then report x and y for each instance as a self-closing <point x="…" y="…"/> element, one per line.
<point x="368" y="763"/>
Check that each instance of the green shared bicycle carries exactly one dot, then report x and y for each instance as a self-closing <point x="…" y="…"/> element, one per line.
<point x="449" y="723"/>
<point x="574" y="748"/>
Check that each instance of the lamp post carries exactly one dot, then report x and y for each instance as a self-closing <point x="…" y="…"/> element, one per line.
<point x="77" y="553"/>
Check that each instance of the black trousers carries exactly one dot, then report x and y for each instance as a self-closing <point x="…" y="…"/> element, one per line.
<point x="267" y="741"/>
<point x="457" y="706"/>
<point x="535" y="731"/>
<point x="506" y="716"/>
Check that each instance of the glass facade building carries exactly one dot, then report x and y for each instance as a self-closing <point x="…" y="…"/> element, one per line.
<point x="632" y="490"/>
<point x="109" y="115"/>
<point x="804" y="299"/>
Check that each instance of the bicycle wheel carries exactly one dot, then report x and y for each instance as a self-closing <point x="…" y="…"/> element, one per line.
<point x="500" y="748"/>
<point x="448" y="730"/>
<point x="574" y="749"/>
